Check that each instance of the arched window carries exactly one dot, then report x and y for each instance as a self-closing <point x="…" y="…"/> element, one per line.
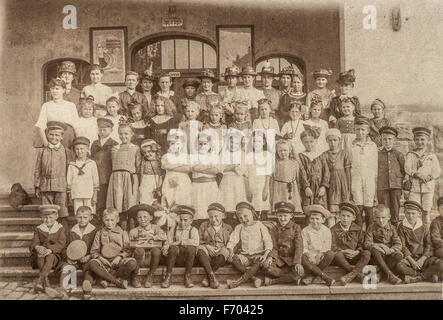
<point x="182" y="54"/>
<point x="279" y="62"/>
<point x="50" y="71"/>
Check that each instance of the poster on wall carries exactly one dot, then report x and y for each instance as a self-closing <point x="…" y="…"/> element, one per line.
<point x="109" y="48"/>
<point x="235" y="47"/>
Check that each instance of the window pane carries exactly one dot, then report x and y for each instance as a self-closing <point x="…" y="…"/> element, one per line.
<point x="196" y="54"/>
<point x="284" y="63"/>
<point x="181" y="54"/>
<point x="167" y="54"/>
<point x="210" y="60"/>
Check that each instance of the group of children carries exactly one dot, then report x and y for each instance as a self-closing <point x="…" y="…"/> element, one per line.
<point x="117" y="155"/>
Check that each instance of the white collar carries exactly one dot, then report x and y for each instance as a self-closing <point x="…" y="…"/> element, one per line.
<point x="55" y="227"/>
<point x="54" y="146"/>
<point x="418" y="224"/>
<point x="88" y="229"/>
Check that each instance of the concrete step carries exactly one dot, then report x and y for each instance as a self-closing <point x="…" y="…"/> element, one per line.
<point x="6" y="211"/>
<point x="19" y="224"/>
<point x="15" y="239"/>
<point x="14" y="257"/>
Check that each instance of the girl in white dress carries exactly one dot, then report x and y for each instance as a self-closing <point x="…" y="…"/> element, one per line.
<point x="320" y="125"/>
<point x="113" y="106"/>
<point x="292" y="129"/>
<point x="265" y="121"/>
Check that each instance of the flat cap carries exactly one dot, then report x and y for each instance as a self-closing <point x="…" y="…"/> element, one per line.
<point x="421" y="131"/>
<point x="350" y="207"/>
<point x="217" y="207"/>
<point x="413" y="205"/>
<point x="361" y="120"/>
<point x="316" y="208"/>
<point x="388" y="130"/>
<point x="182" y="209"/>
<point x="105" y="123"/>
<point x="76" y="250"/>
<point x="191" y="83"/>
<point x="48" y="209"/>
<point x="55" y="125"/>
<point x="245" y="205"/>
<point x="284" y="207"/>
<point x="81" y="140"/>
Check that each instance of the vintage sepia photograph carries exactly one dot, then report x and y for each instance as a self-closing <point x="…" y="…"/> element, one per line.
<point x="221" y="150"/>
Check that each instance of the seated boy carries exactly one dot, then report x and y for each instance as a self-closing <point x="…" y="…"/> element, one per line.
<point x="286" y="264"/>
<point x="147" y="240"/>
<point x="384" y="244"/>
<point x="214" y="236"/>
<point x="256" y="245"/>
<point x="85" y="232"/>
<point x="47" y="244"/>
<point x="347" y="244"/>
<point x="418" y="263"/>
<point x="183" y="246"/>
<point x="317" y="254"/>
<point x="110" y="252"/>
<point x="436" y="231"/>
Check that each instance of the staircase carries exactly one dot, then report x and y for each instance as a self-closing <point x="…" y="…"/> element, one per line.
<point x="16" y="232"/>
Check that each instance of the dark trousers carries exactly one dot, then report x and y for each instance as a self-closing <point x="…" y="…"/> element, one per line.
<point x="355" y="264"/>
<point x="147" y="257"/>
<point x="369" y="216"/>
<point x="210" y="264"/>
<point x="285" y="274"/>
<point x="101" y="199"/>
<point x="46" y="264"/>
<point x="182" y="256"/>
<point x="391" y="199"/>
<point x="432" y="266"/>
<point x="123" y="270"/>
<point x="317" y="270"/>
<point x="387" y="263"/>
<point x="247" y="272"/>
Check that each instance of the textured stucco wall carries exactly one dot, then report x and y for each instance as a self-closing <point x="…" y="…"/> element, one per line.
<point x="33" y="34"/>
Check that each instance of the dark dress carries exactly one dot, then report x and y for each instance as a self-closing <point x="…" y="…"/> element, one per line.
<point x="374" y="126"/>
<point x="339" y="190"/>
<point x="314" y="174"/>
<point x="159" y="132"/>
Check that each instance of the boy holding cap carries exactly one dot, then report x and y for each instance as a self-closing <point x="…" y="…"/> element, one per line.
<point x="101" y="154"/>
<point x="110" y="253"/>
<point x="286" y="264"/>
<point x="437" y="231"/>
<point x="214" y="236"/>
<point x="77" y="253"/>
<point x="47" y="245"/>
<point x="82" y="177"/>
<point x="364" y="158"/>
<point x="383" y="242"/>
<point x="184" y="240"/>
<point x="347" y="243"/>
<point x="256" y="245"/>
<point x="422" y="169"/>
<point x="317" y="254"/>
<point x="50" y="170"/>
<point x="418" y="263"/>
<point x="147" y="240"/>
<point x="391" y="171"/>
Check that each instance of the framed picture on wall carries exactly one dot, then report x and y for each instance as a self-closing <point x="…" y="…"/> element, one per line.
<point x="109" y="49"/>
<point x="235" y="45"/>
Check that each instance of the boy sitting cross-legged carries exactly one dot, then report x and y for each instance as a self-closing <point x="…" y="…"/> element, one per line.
<point x="317" y="253"/>
<point x="286" y="264"/>
<point x="383" y="242"/>
<point x="212" y="252"/>
<point x="256" y="245"/>
<point x="347" y="243"/>
<point x="147" y="240"/>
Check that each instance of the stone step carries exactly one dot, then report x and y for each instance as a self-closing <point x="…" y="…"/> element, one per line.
<point x="6" y="211"/>
<point x="15" y="239"/>
<point x="19" y="224"/>
<point x="14" y="257"/>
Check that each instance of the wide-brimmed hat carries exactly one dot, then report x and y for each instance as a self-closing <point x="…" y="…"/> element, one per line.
<point x="346" y="77"/>
<point x="232" y="71"/>
<point x="209" y="74"/>
<point x="322" y="73"/>
<point x="267" y="69"/>
<point x="67" y="66"/>
<point x="248" y="70"/>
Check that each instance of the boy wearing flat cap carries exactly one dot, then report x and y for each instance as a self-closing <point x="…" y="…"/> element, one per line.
<point x="317" y="253"/>
<point x="101" y="154"/>
<point x="391" y="171"/>
<point x="437" y="231"/>
<point x="383" y="242"/>
<point x="147" y="240"/>
<point x="50" y="170"/>
<point x="214" y="236"/>
<point x="347" y="243"/>
<point x="286" y="255"/>
<point x="422" y="169"/>
<point x="183" y="243"/>
<point x="110" y="253"/>
<point x="47" y="245"/>
<point x="256" y="246"/>
<point x="418" y="263"/>
<point x="364" y="158"/>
